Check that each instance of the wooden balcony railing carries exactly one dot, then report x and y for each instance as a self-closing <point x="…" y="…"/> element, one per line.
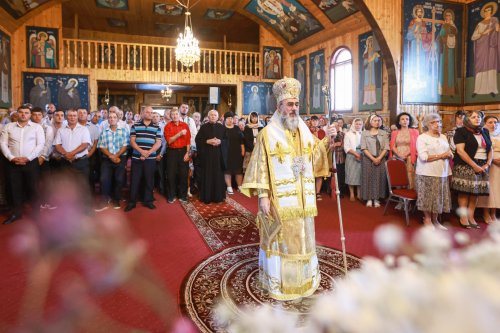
<point x="146" y="57"/>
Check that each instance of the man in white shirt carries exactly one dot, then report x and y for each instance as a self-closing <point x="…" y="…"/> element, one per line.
<point x="49" y="114"/>
<point x="21" y="143"/>
<point x="93" y="155"/>
<point x="72" y="142"/>
<point x="58" y="122"/>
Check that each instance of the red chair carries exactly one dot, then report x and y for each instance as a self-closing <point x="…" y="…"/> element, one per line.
<point x="397" y="177"/>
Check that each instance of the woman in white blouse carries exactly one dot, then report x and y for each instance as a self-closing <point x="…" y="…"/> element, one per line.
<point x="352" y="147"/>
<point x="432" y="171"/>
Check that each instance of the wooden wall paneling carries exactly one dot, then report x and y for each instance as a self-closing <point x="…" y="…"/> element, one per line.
<point x="7" y="23"/>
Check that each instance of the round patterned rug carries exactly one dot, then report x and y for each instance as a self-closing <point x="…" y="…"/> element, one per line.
<point x="231" y="276"/>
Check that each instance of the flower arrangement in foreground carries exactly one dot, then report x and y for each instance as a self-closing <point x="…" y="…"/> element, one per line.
<point x="438" y="283"/>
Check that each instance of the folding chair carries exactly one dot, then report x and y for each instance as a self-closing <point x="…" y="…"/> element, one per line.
<point x="397" y="177"/>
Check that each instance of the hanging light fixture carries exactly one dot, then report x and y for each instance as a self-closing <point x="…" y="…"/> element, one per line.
<point x="106" y="97"/>
<point x="187" y="51"/>
<point x="166" y="93"/>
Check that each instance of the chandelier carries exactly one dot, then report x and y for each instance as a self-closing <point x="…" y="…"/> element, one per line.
<point x="166" y="93"/>
<point x="187" y="51"/>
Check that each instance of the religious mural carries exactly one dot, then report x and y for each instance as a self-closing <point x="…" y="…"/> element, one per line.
<point x="432" y="52"/>
<point x="101" y="99"/>
<point x="288" y="18"/>
<point x="65" y="91"/>
<point x="300" y="73"/>
<point x="18" y="8"/>
<point x="5" y="71"/>
<point x="336" y="10"/>
<point x="116" y="23"/>
<point x="483" y="52"/>
<point x="258" y="97"/>
<point x="113" y="4"/>
<point x="108" y="54"/>
<point x="218" y="14"/>
<point x="370" y="75"/>
<point x="193" y="103"/>
<point x="316" y="80"/>
<point x="42" y="47"/>
<point x="167" y="9"/>
<point x="273" y="62"/>
<point x="126" y="103"/>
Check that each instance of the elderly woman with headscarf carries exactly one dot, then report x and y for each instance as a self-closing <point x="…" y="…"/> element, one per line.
<point x="352" y="148"/>
<point x="432" y="171"/>
<point x="252" y="128"/>
<point x="375" y="145"/>
<point x="492" y="202"/>
<point x="471" y="164"/>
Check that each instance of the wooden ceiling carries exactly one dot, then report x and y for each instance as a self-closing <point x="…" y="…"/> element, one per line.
<point x="140" y="19"/>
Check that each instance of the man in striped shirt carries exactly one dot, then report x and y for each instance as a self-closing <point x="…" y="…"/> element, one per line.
<point x="145" y="139"/>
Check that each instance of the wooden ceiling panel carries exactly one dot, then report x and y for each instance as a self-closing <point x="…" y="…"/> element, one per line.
<point x="141" y="20"/>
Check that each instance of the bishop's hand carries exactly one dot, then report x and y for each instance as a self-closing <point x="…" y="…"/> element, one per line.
<point x="265" y="205"/>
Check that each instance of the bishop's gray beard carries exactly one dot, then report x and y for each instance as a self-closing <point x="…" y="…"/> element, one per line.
<point x="289" y="123"/>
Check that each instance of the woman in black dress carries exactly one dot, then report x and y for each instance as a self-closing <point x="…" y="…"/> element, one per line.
<point x="471" y="165"/>
<point x="233" y="150"/>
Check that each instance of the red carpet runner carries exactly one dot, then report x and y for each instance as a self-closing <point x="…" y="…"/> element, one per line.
<point x="223" y="224"/>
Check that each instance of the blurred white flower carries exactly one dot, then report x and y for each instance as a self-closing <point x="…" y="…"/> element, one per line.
<point x="388" y="238"/>
<point x="462" y="238"/>
<point x="439" y="290"/>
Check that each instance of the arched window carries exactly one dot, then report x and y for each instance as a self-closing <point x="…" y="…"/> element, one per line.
<point x="341" y="80"/>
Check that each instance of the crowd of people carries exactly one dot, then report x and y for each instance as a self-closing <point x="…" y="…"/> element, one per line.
<point x="180" y="155"/>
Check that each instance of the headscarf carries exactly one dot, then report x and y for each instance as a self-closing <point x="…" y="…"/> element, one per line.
<point x="469" y="126"/>
<point x="252" y="125"/>
<point x="352" y="129"/>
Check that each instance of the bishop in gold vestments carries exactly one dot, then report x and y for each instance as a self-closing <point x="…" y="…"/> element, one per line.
<point x="284" y="163"/>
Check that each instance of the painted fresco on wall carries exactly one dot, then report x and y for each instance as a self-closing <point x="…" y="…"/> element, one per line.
<point x="336" y="10"/>
<point x="432" y="52"/>
<point x="370" y="75"/>
<point x="273" y="62"/>
<point x="218" y="14"/>
<point x="101" y="98"/>
<point x="108" y="54"/>
<point x="300" y="73"/>
<point x="5" y="71"/>
<point x="126" y="103"/>
<point x="167" y="9"/>
<point x="316" y="80"/>
<point x="116" y="23"/>
<point x="288" y="18"/>
<point x="18" y="8"/>
<point x="258" y="97"/>
<point x="483" y="52"/>
<point x="65" y="91"/>
<point x="193" y="102"/>
<point x="42" y="47"/>
<point x="113" y="4"/>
